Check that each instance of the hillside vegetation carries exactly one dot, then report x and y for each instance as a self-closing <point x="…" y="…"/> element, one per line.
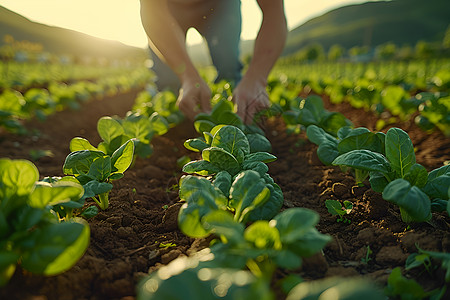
<point x="374" y="23"/>
<point x="62" y="41"/>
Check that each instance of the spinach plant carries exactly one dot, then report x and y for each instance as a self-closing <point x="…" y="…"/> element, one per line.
<point x="226" y="148"/>
<point x="31" y="235"/>
<point x="310" y="111"/>
<point x="337" y="209"/>
<point x="223" y="113"/>
<point x="248" y="198"/>
<point x="402" y="181"/>
<point x="95" y="169"/>
<point x="425" y="258"/>
<point x="347" y="139"/>
<point x="261" y="248"/>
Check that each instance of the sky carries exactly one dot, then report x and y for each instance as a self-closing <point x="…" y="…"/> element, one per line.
<point x="115" y="20"/>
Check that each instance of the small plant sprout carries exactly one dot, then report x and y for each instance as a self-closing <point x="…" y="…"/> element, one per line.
<point x="367" y="258"/>
<point x="337" y="209"/>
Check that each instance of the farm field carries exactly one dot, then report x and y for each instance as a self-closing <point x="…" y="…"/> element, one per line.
<point x="139" y="231"/>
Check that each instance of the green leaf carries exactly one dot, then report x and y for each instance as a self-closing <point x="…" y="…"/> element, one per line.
<point x="223" y="182"/>
<point x="318" y="136"/>
<point x="221" y="159"/>
<point x="247" y="192"/>
<point x="311" y="111"/>
<point x="221" y="223"/>
<point x="196" y="145"/>
<point x="78" y="143"/>
<point x="203" y="126"/>
<point x="8" y="262"/>
<point x="258" y="143"/>
<point x="79" y="162"/>
<point x="327" y="152"/>
<point x="263" y="236"/>
<point x="17" y="177"/>
<point x="417" y="175"/>
<point x="260" y="156"/>
<point x="109" y="129"/>
<point x="296" y="226"/>
<point x="201" y="199"/>
<point x="334" y="207"/>
<point x="232" y="140"/>
<point x="90" y="212"/>
<point x="93" y="188"/>
<point x="51" y="194"/>
<point x="100" y="168"/>
<point x="122" y="158"/>
<point x="399" y="151"/>
<point x="201" y="167"/>
<point x="400" y="286"/>
<point x="378" y="181"/>
<point x="256" y="166"/>
<point x="272" y="206"/>
<point x="57" y="247"/>
<point x="438" y="183"/>
<point x="364" y="160"/>
<point x="159" y="124"/>
<point x="414" y="204"/>
<point x="138" y="127"/>
<point x="367" y="140"/>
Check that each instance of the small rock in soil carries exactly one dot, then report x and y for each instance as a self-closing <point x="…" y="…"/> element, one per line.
<point x="366" y="236"/>
<point x="391" y="255"/>
<point x="168" y="257"/>
<point x="124" y="232"/>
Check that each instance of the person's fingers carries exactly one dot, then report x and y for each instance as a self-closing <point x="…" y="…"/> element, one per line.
<point x="187" y="108"/>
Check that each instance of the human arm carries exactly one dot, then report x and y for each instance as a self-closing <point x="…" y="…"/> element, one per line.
<point x="250" y="95"/>
<point x="167" y="40"/>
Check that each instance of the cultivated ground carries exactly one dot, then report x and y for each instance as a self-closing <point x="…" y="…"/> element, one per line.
<point x="139" y="231"/>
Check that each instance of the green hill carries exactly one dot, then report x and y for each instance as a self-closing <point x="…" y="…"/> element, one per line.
<point x="62" y="41"/>
<point x="374" y="23"/>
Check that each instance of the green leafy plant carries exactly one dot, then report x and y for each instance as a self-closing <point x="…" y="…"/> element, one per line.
<point x="310" y="111"/>
<point x="94" y="169"/>
<point x="30" y="234"/>
<point x="223" y="113"/>
<point x="248" y="198"/>
<point x="226" y="148"/>
<point x="261" y="248"/>
<point x="347" y="140"/>
<point x="337" y="209"/>
<point x="425" y="258"/>
<point x="403" y="288"/>
<point x="396" y="174"/>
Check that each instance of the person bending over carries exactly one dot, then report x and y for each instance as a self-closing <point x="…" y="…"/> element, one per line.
<point x="166" y="23"/>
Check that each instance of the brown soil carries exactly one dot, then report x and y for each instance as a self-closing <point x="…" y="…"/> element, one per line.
<point x="139" y="231"/>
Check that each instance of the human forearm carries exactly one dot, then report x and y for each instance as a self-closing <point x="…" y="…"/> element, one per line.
<point x="270" y="40"/>
<point x="167" y="38"/>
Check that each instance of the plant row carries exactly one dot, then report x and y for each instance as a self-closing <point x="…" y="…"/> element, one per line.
<point x="395" y="88"/>
<point x="41" y="102"/>
<point x="42" y="222"/>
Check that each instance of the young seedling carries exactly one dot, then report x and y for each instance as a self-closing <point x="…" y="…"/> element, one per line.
<point x="367" y="258"/>
<point x="337" y="209"/>
<point x="95" y="170"/>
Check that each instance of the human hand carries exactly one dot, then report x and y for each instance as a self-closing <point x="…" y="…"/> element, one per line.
<point x="250" y="97"/>
<point x="194" y="97"/>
